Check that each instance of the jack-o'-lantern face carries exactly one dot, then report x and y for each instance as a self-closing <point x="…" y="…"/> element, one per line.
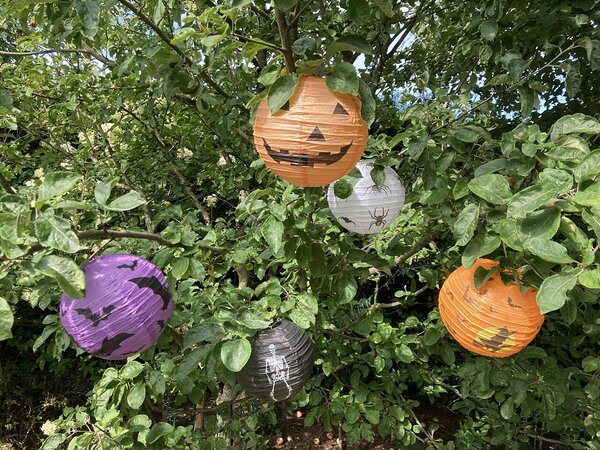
<point x="495" y="320"/>
<point x="316" y="138"/>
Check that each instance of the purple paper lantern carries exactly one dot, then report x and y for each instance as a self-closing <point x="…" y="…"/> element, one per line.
<point x="127" y="305"/>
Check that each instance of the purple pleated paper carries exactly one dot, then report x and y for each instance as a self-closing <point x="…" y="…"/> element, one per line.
<point x="127" y="305"/>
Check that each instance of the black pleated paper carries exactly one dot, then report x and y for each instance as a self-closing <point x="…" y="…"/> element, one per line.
<point x="280" y="363"/>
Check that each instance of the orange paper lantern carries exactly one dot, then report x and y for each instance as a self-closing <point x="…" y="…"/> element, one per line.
<point x="496" y="320"/>
<point x="315" y="139"/>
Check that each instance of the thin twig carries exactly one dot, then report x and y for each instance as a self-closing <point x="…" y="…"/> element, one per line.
<point x="417" y="247"/>
<point x="6" y="185"/>
<point x="182" y="181"/>
<point x="286" y="44"/>
<point x="144" y="18"/>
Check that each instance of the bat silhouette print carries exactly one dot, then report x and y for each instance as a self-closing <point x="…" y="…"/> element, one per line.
<point x="156" y="286"/>
<point x="93" y="317"/>
<point x="497" y="342"/>
<point x="513" y="305"/>
<point x="109" y="345"/>
<point x="378" y="219"/>
<point x="131" y="266"/>
<point x="347" y="220"/>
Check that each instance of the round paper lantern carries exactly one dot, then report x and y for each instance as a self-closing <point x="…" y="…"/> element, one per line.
<point x="316" y="138"/>
<point x="127" y="305"/>
<point x="496" y="320"/>
<point x="280" y="363"/>
<point x="370" y="208"/>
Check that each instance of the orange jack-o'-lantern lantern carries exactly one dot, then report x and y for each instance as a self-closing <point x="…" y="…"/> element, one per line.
<point x="495" y="320"/>
<point x="316" y="138"/>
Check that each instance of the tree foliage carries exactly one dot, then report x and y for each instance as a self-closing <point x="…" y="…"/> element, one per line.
<point x="125" y="126"/>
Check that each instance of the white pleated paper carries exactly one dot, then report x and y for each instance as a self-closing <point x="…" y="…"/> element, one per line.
<point x="370" y="208"/>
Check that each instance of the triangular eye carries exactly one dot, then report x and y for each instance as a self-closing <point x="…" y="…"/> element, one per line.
<point x="339" y="109"/>
<point x="286" y="106"/>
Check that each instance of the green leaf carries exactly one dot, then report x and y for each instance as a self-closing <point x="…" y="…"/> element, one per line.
<point x="529" y="199"/>
<point x="588" y="168"/>
<point x="548" y="250"/>
<point x="447" y="354"/>
<point x="590" y="364"/>
<point x="481" y="245"/>
<point x="344" y="79"/>
<point x="351" y="42"/>
<point x="431" y="336"/>
<point x="352" y="413"/>
<point x="368" y="105"/>
<point x="69" y="276"/>
<point x="131" y="200"/>
<point x="378" y="175"/>
<point x="236" y="353"/>
<point x="589" y="196"/>
<point x="157" y="431"/>
<point x="131" y="370"/>
<point x="103" y="190"/>
<point x="6" y="320"/>
<point x="183" y="34"/>
<point x="55" y="184"/>
<point x="404" y="353"/>
<point x="527" y="97"/>
<point x="466" y="223"/>
<point x="89" y="13"/>
<point x="284" y="4"/>
<point x="281" y="91"/>
<point x="575" y="123"/>
<point x="386" y="6"/>
<point x="180" y="267"/>
<point x="590" y="278"/>
<point x="372" y="415"/>
<point x="488" y="29"/>
<point x="159" y="11"/>
<point x="305" y="310"/>
<point x="593" y="220"/>
<point x="6" y="99"/>
<point x="303" y="45"/>
<point x="136" y="396"/>
<point x="560" y="181"/>
<point x="491" y="187"/>
<point x="465" y="135"/>
<point x="53" y="442"/>
<point x="572" y="79"/>
<point x="55" y="232"/>
<point x="510" y="232"/>
<point x="272" y="231"/>
<point x="541" y="224"/>
<point x="553" y="291"/>
<point x="203" y="332"/>
<point x="342" y="188"/>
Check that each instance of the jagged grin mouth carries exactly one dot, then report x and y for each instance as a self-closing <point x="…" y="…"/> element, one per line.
<point x="326" y="158"/>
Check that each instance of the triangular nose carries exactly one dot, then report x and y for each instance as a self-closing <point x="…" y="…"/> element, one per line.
<point x="316" y="135"/>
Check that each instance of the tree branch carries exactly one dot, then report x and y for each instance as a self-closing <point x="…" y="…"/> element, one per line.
<point x="6" y="185"/>
<point x="417" y="247"/>
<point x="83" y="51"/>
<point x="286" y="44"/>
<point x="182" y="181"/>
<point x="144" y="18"/>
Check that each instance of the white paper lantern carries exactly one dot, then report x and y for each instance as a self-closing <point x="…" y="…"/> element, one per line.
<point x="370" y="208"/>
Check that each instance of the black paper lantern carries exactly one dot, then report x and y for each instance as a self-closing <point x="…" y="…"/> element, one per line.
<point x="280" y="363"/>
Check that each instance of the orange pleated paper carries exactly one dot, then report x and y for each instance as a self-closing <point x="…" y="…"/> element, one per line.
<point x="317" y="138"/>
<point x="497" y="320"/>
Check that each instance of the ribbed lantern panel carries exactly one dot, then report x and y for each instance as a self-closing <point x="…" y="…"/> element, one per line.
<point x="280" y="363"/>
<point x="315" y="139"/>
<point x="127" y="305"/>
<point x="497" y="320"/>
<point x="370" y="208"/>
